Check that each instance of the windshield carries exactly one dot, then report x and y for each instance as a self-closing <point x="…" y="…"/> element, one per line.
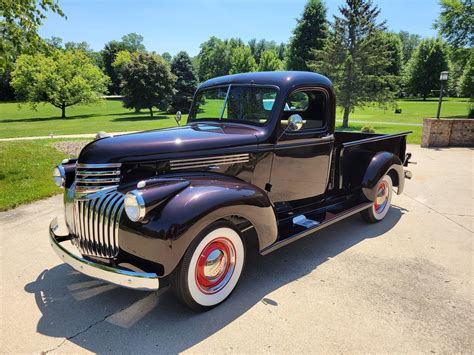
<point x="247" y="104"/>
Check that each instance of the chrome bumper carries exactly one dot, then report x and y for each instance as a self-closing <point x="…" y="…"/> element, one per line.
<point x="136" y="280"/>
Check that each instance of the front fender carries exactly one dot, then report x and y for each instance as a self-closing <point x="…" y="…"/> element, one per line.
<point x="381" y="164"/>
<point x="171" y="227"/>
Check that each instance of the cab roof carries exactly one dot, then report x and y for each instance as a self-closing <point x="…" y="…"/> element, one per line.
<point x="285" y="80"/>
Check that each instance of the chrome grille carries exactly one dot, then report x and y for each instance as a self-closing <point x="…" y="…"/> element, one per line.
<point x="95" y="223"/>
<point x="208" y="161"/>
<point x="95" y="177"/>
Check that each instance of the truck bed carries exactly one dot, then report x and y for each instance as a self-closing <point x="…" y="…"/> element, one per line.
<point x="353" y="151"/>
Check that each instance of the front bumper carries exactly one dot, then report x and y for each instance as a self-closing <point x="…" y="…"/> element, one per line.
<point x="136" y="280"/>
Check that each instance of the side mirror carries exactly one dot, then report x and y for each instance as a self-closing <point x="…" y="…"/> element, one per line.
<point x="295" y="122"/>
<point x="178" y="117"/>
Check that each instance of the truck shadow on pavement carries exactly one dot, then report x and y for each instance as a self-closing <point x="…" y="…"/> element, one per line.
<point x="100" y="317"/>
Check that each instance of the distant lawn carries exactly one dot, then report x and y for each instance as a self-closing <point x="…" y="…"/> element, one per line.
<point x="25" y="171"/>
<point x="107" y="116"/>
<point x="110" y="116"/>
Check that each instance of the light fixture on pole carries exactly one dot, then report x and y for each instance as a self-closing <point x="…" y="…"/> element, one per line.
<point x="443" y="78"/>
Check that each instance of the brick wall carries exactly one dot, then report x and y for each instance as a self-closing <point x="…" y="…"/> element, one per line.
<point x="447" y="132"/>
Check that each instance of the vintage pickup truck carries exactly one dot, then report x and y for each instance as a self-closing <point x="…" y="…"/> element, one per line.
<point x="259" y="156"/>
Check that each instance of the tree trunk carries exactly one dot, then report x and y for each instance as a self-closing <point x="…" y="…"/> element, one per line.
<point x="345" y="119"/>
<point x="63" y="110"/>
<point x="151" y="111"/>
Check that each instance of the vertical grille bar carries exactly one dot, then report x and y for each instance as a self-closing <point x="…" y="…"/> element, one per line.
<point x="95" y="224"/>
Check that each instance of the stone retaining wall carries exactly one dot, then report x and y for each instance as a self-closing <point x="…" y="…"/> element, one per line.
<point x="447" y="132"/>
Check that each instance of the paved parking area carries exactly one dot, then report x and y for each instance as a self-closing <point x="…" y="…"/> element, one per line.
<point x="405" y="284"/>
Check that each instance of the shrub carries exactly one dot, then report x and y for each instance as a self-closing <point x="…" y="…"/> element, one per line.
<point x="367" y="129"/>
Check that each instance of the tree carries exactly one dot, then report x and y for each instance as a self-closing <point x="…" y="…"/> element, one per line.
<point x="269" y="61"/>
<point x="168" y="57"/>
<point x="394" y="46"/>
<point x="242" y="61"/>
<point x="428" y="61"/>
<point x="355" y="56"/>
<point x="147" y="82"/>
<point x="186" y="82"/>
<point x="108" y="57"/>
<point x="213" y="59"/>
<point x="133" y="42"/>
<point x="409" y="43"/>
<point x="456" y="22"/>
<point x="308" y="35"/>
<point x="64" y="79"/>
<point x="19" y="23"/>
<point x="466" y="82"/>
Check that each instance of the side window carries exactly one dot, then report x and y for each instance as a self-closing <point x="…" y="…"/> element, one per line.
<point x="310" y="105"/>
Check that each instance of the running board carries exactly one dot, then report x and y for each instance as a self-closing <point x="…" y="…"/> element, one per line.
<point x="351" y="211"/>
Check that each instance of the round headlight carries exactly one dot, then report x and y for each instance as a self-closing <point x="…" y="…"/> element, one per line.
<point x="134" y="206"/>
<point x="59" y="176"/>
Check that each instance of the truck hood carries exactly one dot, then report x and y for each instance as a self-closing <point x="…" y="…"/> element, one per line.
<point x="151" y="145"/>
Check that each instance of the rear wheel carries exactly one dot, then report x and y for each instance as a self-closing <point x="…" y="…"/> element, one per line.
<point x="383" y="199"/>
<point x="210" y="268"/>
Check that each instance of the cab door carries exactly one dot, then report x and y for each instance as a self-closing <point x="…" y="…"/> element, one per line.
<point x="301" y="159"/>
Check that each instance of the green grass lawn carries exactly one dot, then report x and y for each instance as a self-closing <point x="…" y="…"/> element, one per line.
<point x="25" y="171"/>
<point x="110" y="116"/>
<point x="107" y="116"/>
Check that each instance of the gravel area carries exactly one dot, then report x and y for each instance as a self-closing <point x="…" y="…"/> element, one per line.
<point x="72" y="148"/>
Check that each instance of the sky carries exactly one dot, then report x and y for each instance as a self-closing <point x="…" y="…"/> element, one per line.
<point x="174" y="25"/>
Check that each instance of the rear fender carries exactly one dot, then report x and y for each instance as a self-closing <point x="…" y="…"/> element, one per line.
<point x="172" y="226"/>
<point x="381" y="164"/>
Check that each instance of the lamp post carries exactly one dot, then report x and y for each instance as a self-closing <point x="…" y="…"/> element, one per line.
<point x="443" y="78"/>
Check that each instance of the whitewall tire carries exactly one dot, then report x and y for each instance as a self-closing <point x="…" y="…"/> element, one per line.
<point x="211" y="267"/>
<point x="382" y="203"/>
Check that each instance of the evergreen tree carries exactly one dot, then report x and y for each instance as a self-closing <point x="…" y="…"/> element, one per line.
<point x="309" y="35"/>
<point x="147" y="82"/>
<point x="269" y="61"/>
<point x="355" y="56"/>
<point x="186" y="82"/>
<point x="428" y="61"/>
<point x="242" y="61"/>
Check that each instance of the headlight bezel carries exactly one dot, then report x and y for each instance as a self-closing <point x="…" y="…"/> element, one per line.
<point x="134" y="206"/>
<point x="59" y="176"/>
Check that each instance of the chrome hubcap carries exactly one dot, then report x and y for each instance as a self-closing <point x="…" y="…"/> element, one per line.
<point x="382" y="197"/>
<point x="215" y="265"/>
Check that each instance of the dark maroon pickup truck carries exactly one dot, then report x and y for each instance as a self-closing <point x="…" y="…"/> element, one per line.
<point x="259" y="157"/>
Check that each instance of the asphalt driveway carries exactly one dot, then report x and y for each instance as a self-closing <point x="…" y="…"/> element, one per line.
<point x="405" y="284"/>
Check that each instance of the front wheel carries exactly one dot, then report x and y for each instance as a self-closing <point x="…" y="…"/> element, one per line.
<point x="211" y="267"/>
<point x="383" y="199"/>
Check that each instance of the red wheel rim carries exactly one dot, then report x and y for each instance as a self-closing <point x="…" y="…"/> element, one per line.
<point x="215" y="265"/>
<point x="381" y="199"/>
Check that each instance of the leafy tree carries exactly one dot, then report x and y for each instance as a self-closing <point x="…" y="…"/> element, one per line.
<point x="147" y="82"/>
<point x="458" y="60"/>
<point x="63" y="79"/>
<point x="409" y="43"/>
<point x="19" y="23"/>
<point x="466" y="84"/>
<point x="269" y="61"/>
<point x="257" y="48"/>
<point x="309" y="35"/>
<point x="282" y="51"/>
<point x="186" y="82"/>
<point x="428" y="61"/>
<point x="456" y="22"/>
<point x="213" y="59"/>
<point x="242" y="61"/>
<point x="394" y="46"/>
<point x="168" y="57"/>
<point x="356" y="58"/>
<point x="133" y="42"/>
<point x="108" y="57"/>
<point x="54" y="42"/>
